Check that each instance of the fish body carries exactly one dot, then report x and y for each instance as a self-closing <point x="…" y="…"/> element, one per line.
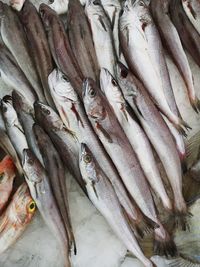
<point x="171" y="39"/>
<point x="60" y="47"/>
<point x="14" y="37"/>
<point x="65" y="142"/>
<point x="104" y="198"/>
<point x="13" y="75"/>
<point x="56" y="173"/>
<point x="7" y="175"/>
<point x="75" y="119"/>
<point x="80" y="37"/>
<point x="141" y="47"/>
<point x="13" y="126"/>
<point x="157" y="132"/>
<point x="38" y="183"/>
<point x="102" y="35"/>
<point x="25" y="114"/>
<point x="16" y="217"/>
<point x="38" y="45"/>
<point x="192" y="9"/>
<point x="136" y="136"/>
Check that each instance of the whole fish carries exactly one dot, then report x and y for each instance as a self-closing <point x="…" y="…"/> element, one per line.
<point x="135" y="134"/>
<point x="13" y="76"/>
<point x="7" y="175"/>
<point x="8" y="148"/>
<point x="60" y="47"/>
<point x="65" y="142"/>
<point x="119" y="149"/>
<point x="56" y="173"/>
<point x="102" y="35"/>
<point x="171" y="39"/>
<point x="141" y="47"/>
<point x="25" y="114"/>
<point x="75" y="119"/>
<point x="159" y="135"/>
<point x="80" y="37"/>
<point x="38" y="183"/>
<point x="104" y="198"/>
<point x="192" y="9"/>
<point x="13" y="126"/>
<point x="39" y="45"/>
<point x="189" y="36"/>
<point x="14" y="37"/>
<point x="16" y="217"/>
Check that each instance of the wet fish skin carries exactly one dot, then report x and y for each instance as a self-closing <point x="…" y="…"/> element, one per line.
<point x="13" y="126"/>
<point x="7" y="175"/>
<point x="64" y="141"/>
<point x="16" y="217"/>
<point x="170" y="36"/>
<point x="60" y="47"/>
<point x="25" y="114"/>
<point x="56" y="173"/>
<point x="137" y="137"/>
<point x="104" y="198"/>
<point x="75" y="119"/>
<point x="115" y="142"/>
<point x="192" y="9"/>
<point x="38" y="183"/>
<point x="102" y="35"/>
<point x="80" y="37"/>
<point x="15" y="39"/>
<point x="12" y="75"/>
<point x="137" y="33"/>
<point x="157" y="132"/>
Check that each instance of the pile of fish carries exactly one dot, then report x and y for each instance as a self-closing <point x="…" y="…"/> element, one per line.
<point x="92" y="96"/>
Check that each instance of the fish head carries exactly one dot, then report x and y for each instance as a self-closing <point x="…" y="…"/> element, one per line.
<point x="47" y="15"/>
<point x="9" y="113"/>
<point x="32" y="167"/>
<point x="27" y="13"/>
<point x="93" y="101"/>
<point x="110" y="87"/>
<point x="47" y="117"/>
<point x="20" y="103"/>
<point x="7" y="169"/>
<point x="87" y="165"/>
<point x="22" y="207"/>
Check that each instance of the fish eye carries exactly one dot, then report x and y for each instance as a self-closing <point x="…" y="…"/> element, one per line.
<point x="87" y="159"/>
<point x="51" y="1"/>
<point x="113" y="82"/>
<point x="124" y="73"/>
<point x="92" y="93"/>
<point x="31" y="207"/>
<point x="46" y="111"/>
<point x="1" y="177"/>
<point x="65" y="78"/>
<point x="4" y="108"/>
<point x="96" y="2"/>
<point x="30" y="162"/>
<point x="141" y="3"/>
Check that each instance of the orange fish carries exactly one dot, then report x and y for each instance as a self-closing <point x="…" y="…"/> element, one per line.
<point x="7" y="175"/>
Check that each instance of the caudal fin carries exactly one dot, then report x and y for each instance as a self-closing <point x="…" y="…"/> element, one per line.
<point x="145" y="227"/>
<point x="181" y="220"/>
<point x="165" y="247"/>
<point x="183" y="261"/>
<point x="195" y="103"/>
<point x="182" y="127"/>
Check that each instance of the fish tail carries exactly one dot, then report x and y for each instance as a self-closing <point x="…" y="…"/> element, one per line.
<point x="183" y="261"/>
<point x="182" y="127"/>
<point x="145" y="227"/>
<point x="195" y="103"/>
<point x="181" y="220"/>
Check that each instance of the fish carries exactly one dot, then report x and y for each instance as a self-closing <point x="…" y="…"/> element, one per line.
<point x="13" y="76"/>
<point x="13" y="126"/>
<point x="8" y="148"/>
<point x="75" y="119"/>
<point x="115" y="142"/>
<point x="60" y="47"/>
<point x="159" y="136"/>
<point x="190" y="38"/>
<point x="102" y="35"/>
<point x="16" y="217"/>
<point x="192" y="9"/>
<point x="14" y="37"/>
<point x="104" y="198"/>
<point x="38" y="44"/>
<point x="25" y="114"/>
<point x="141" y="47"/>
<point x="56" y="173"/>
<point x="63" y="139"/>
<point x="135" y="134"/>
<point x="80" y="37"/>
<point x="7" y="175"/>
<point x="40" y="189"/>
<point x="171" y="39"/>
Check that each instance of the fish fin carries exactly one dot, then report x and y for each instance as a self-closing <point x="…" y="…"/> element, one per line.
<point x="165" y="247"/>
<point x="145" y="227"/>
<point x="102" y="23"/>
<point x="74" y="110"/>
<point x="180" y="220"/>
<point x="193" y="149"/>
<point x="182" y="126"/>
<point x="195" y="103"/>
<point x="183" y="261"/>
<point x="106" y="135"/>
<point x="4" y="223"/>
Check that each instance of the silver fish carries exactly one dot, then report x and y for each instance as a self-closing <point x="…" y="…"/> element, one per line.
<point x="104" y="198"/>
<point x="38" y="183"/>
<point x="139" y="39"/>
<point x="115" y="142"/>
